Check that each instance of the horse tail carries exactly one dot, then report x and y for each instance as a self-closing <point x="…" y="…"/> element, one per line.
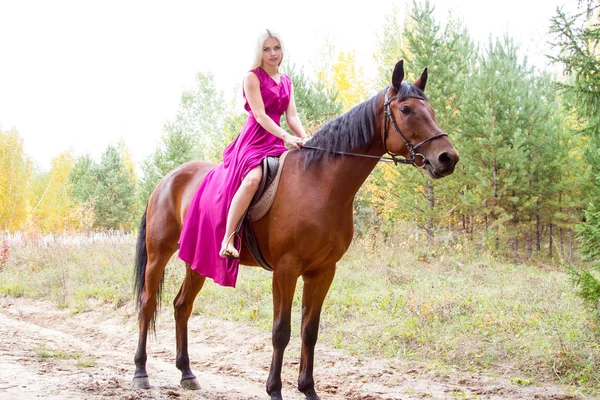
<point x="141" y="259"/>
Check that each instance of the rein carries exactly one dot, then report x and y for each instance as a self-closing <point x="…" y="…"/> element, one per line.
<point x="345" y="153"/>
<point x="392" y="157"/>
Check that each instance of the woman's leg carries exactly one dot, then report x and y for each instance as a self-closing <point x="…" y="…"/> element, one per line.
<point x="239" y="204"/>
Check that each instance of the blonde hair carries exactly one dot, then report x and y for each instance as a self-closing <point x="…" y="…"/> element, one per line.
<point x="260" y="44"/>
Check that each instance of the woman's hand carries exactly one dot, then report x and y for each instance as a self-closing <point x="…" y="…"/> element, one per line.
<point x="294" y="141"/>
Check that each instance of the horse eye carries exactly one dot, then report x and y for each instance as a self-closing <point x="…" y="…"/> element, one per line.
<point x="405" y="110"/>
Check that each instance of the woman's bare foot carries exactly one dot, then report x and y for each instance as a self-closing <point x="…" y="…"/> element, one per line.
<point x="228" y="249"/>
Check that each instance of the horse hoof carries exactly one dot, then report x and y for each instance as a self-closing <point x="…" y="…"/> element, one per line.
<point x="312" y="396"/>
<point x="190" y="384"/>
<point x="276" y="396"/>
<point x="141" y="383"/>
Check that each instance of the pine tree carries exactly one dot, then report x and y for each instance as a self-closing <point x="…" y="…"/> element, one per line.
<point x="176" y="148"/>
<point x="114" y="206"/>
<point x="496" y="156"/>
<point x="316" y="101"/>
<point x="107" y="189"/>
<point x="578" y="43"/>
<point x="82" y="178"/>
<point x="448" y="55"/>
<point x="200" y="131"/>
<point x="82" y="184"/>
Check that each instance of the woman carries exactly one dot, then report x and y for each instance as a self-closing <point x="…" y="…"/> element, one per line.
<point x="207" y="238"/>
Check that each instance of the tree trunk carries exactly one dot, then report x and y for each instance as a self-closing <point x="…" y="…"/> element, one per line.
<point x="538" y="234"/>
<point x="550" y="240"/>
<point x="571" y="247"/>
<point x="560" y="230"/>
<point x="562" y="243"/>
<point x="430" y="206"/>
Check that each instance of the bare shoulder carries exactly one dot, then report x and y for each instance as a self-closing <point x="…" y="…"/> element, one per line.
<point x="251" y="81"/>
<point x="251" y="77"/>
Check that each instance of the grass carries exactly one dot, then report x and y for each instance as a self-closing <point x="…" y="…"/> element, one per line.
<point x="73" y="276"/>
<point x="44" y="352"/>
<point x="447" y="307"/>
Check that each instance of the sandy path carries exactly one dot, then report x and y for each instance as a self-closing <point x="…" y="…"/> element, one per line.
<point x="52" y="354"/>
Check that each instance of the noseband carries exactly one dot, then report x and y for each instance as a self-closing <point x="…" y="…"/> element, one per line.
<point x="387" y="112"/>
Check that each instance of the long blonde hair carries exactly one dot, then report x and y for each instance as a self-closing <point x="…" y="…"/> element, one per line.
<point x="260" y="43"/>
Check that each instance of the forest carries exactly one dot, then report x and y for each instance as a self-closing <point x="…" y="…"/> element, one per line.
<point x="483" y="284"/>
<point x="525" y="190"/>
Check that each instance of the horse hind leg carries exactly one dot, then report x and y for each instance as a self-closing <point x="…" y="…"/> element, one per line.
<point x="149" y="276"/>
<point x="183" y="304"/>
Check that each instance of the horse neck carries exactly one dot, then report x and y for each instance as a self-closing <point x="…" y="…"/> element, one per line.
<point x="351" y="172"/>
<point x="345" y="174"/>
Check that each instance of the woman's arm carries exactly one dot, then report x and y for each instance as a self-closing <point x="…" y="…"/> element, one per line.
<point x="293" y="120"/>
<point x="252" y="90"/>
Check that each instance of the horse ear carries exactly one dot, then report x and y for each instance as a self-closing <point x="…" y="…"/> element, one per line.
<point x="398" y="75"/>
<point x="422" y="81"/>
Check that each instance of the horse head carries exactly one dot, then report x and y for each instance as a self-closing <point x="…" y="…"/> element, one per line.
<point x="410" y="128"/>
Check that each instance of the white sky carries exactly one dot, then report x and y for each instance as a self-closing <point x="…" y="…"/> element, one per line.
<point x="80" y="75"/>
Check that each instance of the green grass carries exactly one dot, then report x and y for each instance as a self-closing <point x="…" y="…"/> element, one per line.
<point x="448" y="307"/>
<point x="44" y="352"/>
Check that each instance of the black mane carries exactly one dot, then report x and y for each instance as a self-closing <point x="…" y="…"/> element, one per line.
<point x="354" y="129"/>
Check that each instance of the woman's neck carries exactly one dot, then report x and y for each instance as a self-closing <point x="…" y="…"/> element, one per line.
<point x="272" y="71"/>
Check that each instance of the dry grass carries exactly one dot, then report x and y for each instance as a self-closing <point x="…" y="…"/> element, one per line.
<point x="447" y="307"/>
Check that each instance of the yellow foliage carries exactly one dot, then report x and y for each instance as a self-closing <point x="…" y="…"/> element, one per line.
<point x="379" y="190"/>
<point x="15" y="173"/>
<point x="130" y="168"/>
<point x="128" y="160"/>
<point x="53" y="211"/>
<point x="348" y="80"/>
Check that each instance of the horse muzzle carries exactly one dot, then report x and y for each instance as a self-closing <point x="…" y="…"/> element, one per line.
<point x="442" y="165"/>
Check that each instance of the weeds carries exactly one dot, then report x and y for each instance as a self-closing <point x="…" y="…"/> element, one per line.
<point x="446" y="307"/>
<point x="4" y="253"/>
<point x="74" y="275"/>
<point x="45" y="352"/>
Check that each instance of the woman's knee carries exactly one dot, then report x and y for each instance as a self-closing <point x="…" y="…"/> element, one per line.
<point x="252" y="180"/>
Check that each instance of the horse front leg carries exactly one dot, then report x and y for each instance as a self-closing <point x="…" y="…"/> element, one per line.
<point x="316" y="286"/>
<point x="184" y="304"/>
<point x="284" y="285"/>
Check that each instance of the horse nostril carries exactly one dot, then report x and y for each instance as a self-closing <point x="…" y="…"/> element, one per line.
<point x="444" y="159"/>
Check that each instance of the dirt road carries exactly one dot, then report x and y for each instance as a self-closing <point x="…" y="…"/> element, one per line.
<point x="53" y="354"/>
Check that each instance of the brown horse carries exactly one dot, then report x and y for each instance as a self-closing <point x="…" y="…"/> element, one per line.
<point x="307" y="230"/>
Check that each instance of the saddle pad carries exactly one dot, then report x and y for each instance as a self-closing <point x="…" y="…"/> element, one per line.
<point x="264" y="203"/>
<point x="261" y="205"/>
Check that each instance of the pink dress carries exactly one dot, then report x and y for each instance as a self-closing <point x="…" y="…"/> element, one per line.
<point x="204" y="224"/>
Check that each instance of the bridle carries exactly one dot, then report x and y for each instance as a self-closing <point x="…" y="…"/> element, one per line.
<point x="387" y="114"/>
